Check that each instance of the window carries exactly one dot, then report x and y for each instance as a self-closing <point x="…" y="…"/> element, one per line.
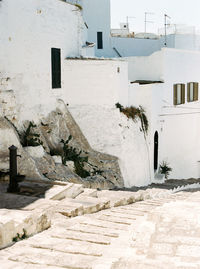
<point x="99" y="40"/>
<point x="179" y="94"/>
<point x="56" y="68"/>
<point x="192" y="91"/>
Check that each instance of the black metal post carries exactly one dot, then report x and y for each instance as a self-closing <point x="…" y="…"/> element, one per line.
<point x="13" y="184"/>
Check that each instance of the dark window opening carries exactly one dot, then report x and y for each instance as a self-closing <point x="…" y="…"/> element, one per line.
<point x="56" y="68"/>
<point x="99" y="40"/>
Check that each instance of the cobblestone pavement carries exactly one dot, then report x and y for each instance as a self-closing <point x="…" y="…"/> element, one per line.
<point x="158" y="233"/>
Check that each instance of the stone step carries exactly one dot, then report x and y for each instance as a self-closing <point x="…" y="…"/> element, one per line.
<point x="70" y="210"/>
<point x="92" y="205"/>
<point x="88" y="193"/>
<point x="93" y="230"/>
<point x="45" y="241"/>
<point x="113" y="219"/>
<point x="5" y="264"/>
<point x="47" y="257"/>
<point x="80" y="236"/>
<point x="126" y="212"/>
<point x="121" y="198"/>
<point x="120" y="215"/>
<point x="60" y="192"/>
<point x="15" y="223"/>
<point x="96" y="222"/>
<point x="87" y="205"/>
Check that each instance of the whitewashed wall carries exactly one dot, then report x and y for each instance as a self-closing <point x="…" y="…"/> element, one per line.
<point x="95" y="82"/>
<point x="146" y="67"/>
<point x="92" y="90"/>
<point x="178" y="126"/>
<point x="149" y="97"/>
<point x="30" y="29"/>
<point x="96" y="14"/>
<point x="128" y="47"/>
<point x="181" y="123"/>
<point x="111" y="132"/>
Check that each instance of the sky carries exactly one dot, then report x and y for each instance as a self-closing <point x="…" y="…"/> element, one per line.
<point x="181" y="12"/>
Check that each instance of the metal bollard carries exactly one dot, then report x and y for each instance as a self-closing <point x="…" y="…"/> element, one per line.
<point x="13" y="184"/>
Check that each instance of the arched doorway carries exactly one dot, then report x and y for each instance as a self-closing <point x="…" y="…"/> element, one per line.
<point x="156" y="150"/>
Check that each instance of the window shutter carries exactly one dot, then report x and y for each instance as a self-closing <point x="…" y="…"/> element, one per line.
<point x="188" y="92"/>
<point x="175" y="94"/>
<point x="196" y="87"/>
<point x="182" y="93"/>
<point x="56" y="68"/>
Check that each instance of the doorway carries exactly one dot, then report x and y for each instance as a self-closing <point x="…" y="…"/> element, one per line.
<point x="156" y="150"/>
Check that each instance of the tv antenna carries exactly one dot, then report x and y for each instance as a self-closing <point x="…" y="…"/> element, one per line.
<point x="166" y="24"/>
<point x="127" y="20"/>
<point x="146" y="21"/>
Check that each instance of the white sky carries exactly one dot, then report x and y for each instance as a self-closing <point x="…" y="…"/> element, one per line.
<point x="181" y="12"/>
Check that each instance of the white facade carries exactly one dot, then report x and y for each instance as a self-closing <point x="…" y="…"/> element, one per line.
<point x="31" y="29"/>
<point x="177" y="126"/>
<point x="93" y="87"/>
<point x="96" y="15"/>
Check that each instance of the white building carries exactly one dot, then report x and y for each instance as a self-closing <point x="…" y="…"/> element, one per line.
<point x="123" y="43"/>
<point x="173" y="105"/>
<point x="42" y="49"/>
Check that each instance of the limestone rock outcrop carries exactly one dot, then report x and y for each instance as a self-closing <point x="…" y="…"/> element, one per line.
<point x="57" y="137"/>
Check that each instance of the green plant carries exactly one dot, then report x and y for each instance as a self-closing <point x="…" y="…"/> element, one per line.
<point x="71" y="154"/>
<point x="135" y="113"/>
<point x="165" y="169"/>
<point x="29" y="138"/>
<point x="19" y="237"/>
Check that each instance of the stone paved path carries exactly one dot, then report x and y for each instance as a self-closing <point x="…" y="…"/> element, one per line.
<point x="159" y="233"/>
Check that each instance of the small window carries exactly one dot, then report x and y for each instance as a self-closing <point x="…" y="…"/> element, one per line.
<point x="99" y="40"/>
<point x="192" y="91"/>
<point x="56" y="68"/>
<point x="179" y="94"/>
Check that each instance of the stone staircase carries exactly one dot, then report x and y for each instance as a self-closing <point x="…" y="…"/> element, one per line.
<point x="32" y="211"/>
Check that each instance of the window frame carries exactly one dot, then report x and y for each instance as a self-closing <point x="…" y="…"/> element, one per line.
<point x="195" y="91"/>
<point x="182" y="94"/>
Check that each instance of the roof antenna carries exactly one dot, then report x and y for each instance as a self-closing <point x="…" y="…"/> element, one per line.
<point x="166" y="24"/>
<point x="146" y="21"/>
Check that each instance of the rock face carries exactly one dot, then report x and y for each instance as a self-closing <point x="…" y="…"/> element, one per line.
<point x="56" y="149"/>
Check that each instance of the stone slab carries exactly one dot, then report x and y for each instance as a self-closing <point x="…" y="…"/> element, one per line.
<point x="65" y="245"/>
<point x="46" y="257"/>
<point x="81" y="236"/>
<point x="93" y="230"/>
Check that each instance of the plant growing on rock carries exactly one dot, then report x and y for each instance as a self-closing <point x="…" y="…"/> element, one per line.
<point x="165" y="169"/>
<point x="71" y="154"/>
<point x="19" y="237"/>
<point x="29" y="138"/>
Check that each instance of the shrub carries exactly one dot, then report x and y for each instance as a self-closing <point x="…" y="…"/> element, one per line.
<point x="165" y="169"/>
<point x="29" y="138"/>
<point x="71" y="154"/>
<point x="135" y="113"/>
